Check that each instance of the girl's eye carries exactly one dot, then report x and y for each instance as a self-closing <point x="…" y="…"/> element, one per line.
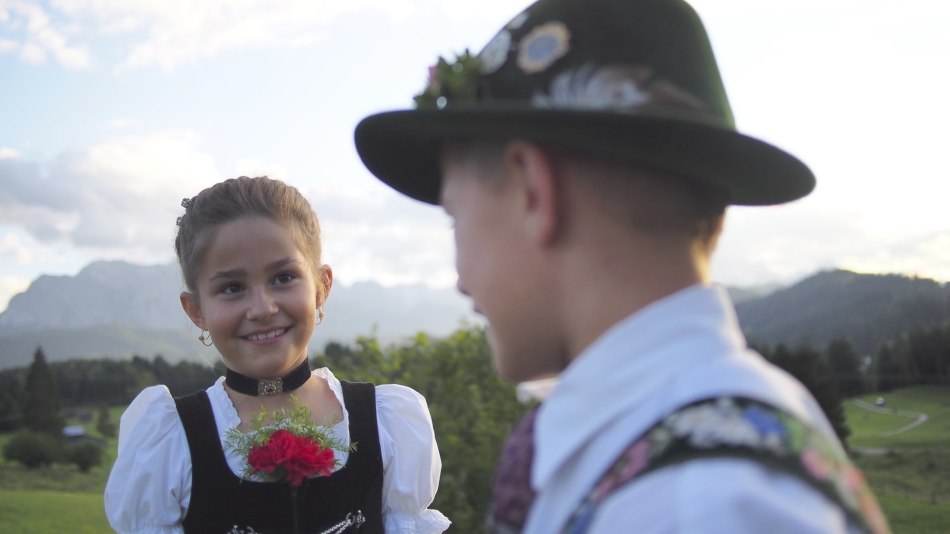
<point x="285" y="278"/>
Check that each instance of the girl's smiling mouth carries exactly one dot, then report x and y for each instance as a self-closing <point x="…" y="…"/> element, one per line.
<point x="264" y="337"/>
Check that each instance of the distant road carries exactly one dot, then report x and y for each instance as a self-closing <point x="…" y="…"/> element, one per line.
<point x="918" y="419"/>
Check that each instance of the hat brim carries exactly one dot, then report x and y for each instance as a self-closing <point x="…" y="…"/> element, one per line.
<point x="402" y="148"/>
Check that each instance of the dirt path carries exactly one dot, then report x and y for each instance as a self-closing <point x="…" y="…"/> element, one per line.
<point x="918" y="418"/>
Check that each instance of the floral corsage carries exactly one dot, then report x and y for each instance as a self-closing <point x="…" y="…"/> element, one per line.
<point x="456" y="82"/>
<point x="289" y="449"/>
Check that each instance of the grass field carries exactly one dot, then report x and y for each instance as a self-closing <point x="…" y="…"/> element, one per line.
<point x="867" y="427"/>
<point x="55" y="499"/>
<point x="909" y="472"/>
<point x="52" y="512"/>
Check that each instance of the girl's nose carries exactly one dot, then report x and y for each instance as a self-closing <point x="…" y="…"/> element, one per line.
<point x="262" y="306"/>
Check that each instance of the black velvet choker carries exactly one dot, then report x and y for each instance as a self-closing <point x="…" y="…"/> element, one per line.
<point x="268" y="386"/>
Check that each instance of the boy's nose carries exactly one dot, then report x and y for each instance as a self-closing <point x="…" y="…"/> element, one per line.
<point x="461" y="288"/>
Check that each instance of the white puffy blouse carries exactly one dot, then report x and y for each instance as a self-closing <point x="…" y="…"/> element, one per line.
<point x="149" y="487"/>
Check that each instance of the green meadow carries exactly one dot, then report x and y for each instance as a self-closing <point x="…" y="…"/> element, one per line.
<point x="909" y="471"/>
<point x="53" y="512"/>
<point x="56" y="498"/>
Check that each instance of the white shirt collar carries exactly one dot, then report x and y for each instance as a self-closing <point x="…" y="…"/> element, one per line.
<point x="627" y="366"/>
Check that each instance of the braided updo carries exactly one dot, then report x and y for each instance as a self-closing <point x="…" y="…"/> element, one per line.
<point x="239" y="198"/>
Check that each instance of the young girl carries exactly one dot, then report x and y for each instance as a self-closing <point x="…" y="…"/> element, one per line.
<point x="249" y="250"/>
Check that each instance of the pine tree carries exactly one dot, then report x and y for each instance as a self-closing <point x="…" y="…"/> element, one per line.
<point x="104" y="423"/>
<point x="812" y="370"/>
<point x="845" y="368"/>
<point x="41" y="410"/>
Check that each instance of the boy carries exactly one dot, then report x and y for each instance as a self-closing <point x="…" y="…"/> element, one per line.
<point x="587" y="156"/>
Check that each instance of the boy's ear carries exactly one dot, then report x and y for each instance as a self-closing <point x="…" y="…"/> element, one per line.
<point x="189" y="303"/>
<point x="534" y="170"/>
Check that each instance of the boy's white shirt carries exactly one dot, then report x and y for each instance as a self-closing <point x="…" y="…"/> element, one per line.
<point x="683" y="348"/>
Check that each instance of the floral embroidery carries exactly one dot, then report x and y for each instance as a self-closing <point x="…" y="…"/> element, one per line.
<point x="543" y="46"/>
<point x="616" y="88"/>
<point x="744" y="428"/>
<point x="518" y="21"/>
<point x="495" y="53"/>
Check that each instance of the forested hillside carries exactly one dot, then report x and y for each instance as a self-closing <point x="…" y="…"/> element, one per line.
<point x="472" y="409"/>
<point x="866" y="310"/>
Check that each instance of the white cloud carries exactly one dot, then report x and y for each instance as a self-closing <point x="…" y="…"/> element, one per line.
<point x="786" y="243"/>
<point x="120" y="123"/>
<point x="372" y="234"/>
<point x="44" y="224"/>
<point x="398" y="251"/>
<point x="10" y="286"/>
<point x="31" y="53"/>
<point x="169" y="33"/>
<point x="13" y="247"/>
<point x="38" y="37"/>
<point x="927" y="256"/>
<point x="465" y="10"/>
<point x="120" y="197"/>
<point x="8" y="153"/>
<point x="254" y="167"/>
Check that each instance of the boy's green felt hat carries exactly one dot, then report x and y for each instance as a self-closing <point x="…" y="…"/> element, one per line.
<point x="628" y="79"/>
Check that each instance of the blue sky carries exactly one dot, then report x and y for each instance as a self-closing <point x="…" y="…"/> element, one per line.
<point x="113" y="110"/>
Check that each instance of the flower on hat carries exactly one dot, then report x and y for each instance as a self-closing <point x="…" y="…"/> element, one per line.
<point x="290" y="449"/>
<point x="455" y="82"/>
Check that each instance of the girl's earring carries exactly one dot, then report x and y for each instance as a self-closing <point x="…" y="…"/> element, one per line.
<point x="205" y="338"/>
<point x="320" y="316"/>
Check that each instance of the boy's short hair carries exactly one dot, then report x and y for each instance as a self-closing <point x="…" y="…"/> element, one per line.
<point x="649" y="200"/>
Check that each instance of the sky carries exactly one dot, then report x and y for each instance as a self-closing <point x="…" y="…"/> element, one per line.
<point x="112" y="111"/>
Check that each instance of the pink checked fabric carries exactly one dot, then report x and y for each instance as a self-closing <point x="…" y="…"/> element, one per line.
<point x="511" y="492"/>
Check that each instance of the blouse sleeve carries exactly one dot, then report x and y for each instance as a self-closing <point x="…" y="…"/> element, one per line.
<point x="411" y="462"/>
<point x="150" y="483"/>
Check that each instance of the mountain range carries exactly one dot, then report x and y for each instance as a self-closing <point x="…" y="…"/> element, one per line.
<point x="117" y="309"/>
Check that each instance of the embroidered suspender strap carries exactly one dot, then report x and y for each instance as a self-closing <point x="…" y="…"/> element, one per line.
<point x="728" y="427"/>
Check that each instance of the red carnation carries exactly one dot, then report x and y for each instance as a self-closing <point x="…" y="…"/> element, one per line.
<point x="298" y="456"/>
<point x="261" y="459"/>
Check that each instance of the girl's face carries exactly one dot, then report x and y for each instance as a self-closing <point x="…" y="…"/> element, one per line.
<point x="257" y="296"/>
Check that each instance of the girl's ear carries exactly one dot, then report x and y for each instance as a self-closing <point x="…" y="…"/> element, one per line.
<point x="189" y="303"/>
<point x="326" y="280"/>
